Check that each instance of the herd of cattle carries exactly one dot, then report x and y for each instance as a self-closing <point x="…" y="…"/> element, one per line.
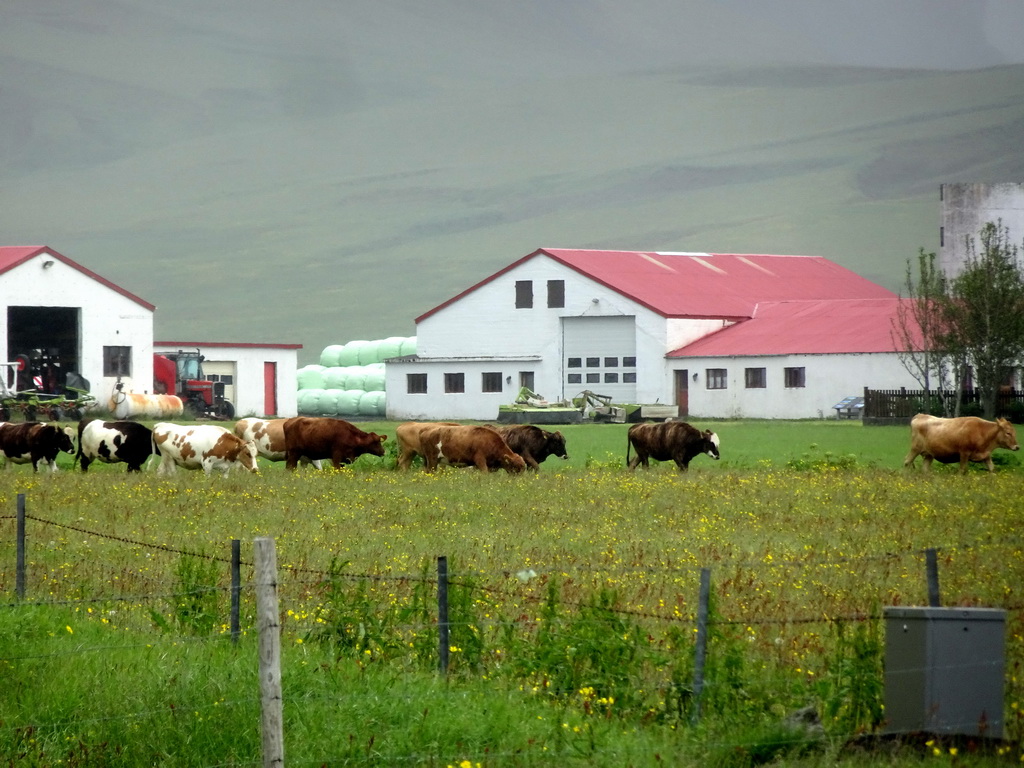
<point x="513" y="448"/>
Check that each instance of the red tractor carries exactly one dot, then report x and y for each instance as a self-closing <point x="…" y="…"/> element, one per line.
<point x="181" y="373"/>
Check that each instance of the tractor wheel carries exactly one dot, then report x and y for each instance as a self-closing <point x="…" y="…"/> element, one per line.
<point x="225" y="409"/>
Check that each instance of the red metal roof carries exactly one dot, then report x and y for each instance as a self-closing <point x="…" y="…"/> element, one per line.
<point x="805" y="327"/>
<point x="237" y="344"/>
<point x="12" y="256"/>
<point x="704" y="285"/>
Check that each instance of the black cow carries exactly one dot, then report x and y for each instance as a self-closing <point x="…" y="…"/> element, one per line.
<point x="670" y="440"/>
<point x="112" y="442"/>
<point x="533" y="443"/>
<point x="33" y="442"/>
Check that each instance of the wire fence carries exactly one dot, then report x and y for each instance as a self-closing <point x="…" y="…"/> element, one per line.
<point x="544" y="602"/>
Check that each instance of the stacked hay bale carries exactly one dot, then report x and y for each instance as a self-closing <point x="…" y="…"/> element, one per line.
<point x="349" y="381"/>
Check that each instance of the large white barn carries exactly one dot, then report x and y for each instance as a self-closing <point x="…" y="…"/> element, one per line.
<point x="719" y="335"/>
<point x="64" y="318"/>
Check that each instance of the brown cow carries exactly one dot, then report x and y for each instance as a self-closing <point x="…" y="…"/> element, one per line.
<point x="268" y="437"/>
<point x="482" y="447"/>
<point x="962" y="439"/>
<point x="533" y="443"/>
<point x="669" y="440"/>
<point x="408" y="437"/>
<point x="321" y="437"/>
<point x="33" y="442"/>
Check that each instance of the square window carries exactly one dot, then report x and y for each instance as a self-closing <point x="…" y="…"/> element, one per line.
<point x="794" y="378"/>
<point x="593" y="362"/>
<point x="593" y="378"/>
<point x="454" y="383"/>
<point x="575" y="378"/>
<point x="575" y="362"/>
<point x="526" y="379"/>
<point x="629" y="378"/>
<point x="717" y="378"/>
<point x="117" y="361"/>
<point x="611" y="378"/>
<point x="611" y="362"/>
<point x="629" y="362"/>
<point x="416" y="383"/>
<point x="524" y="294"/>
<point x="556" y="293"/>
<point x="756" y="378"/>
<point x="490" y="382"/>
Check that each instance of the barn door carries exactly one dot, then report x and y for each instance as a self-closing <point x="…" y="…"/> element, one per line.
<point x="683" y="391"/>
<point x="270" y="388"/>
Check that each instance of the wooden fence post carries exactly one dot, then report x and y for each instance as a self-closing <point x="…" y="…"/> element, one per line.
<point x="932" y="567"/>
<point x="443" y="628"/>
<point x="19" y="574"/>
<point x="269" y="628"/>
<point x="236" y="588"/>
<point x="700" y="651"/>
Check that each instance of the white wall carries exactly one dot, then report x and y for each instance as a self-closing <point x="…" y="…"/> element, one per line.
<point x="966" y="208"/>
<point x="106" y="318"/>
<point x="249" y="360"/>
<point x="828" y="380"/>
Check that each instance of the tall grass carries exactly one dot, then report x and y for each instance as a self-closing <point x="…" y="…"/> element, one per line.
<point x="573" y="600"/>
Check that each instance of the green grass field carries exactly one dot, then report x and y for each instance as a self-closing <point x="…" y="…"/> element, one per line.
<point x="573" y="599"/>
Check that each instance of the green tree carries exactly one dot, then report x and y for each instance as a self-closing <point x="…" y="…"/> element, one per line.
<point x="984" y="313"/>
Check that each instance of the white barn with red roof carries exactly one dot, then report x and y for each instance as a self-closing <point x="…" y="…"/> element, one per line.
<point x="65" y="319"/>
<point x="719" y="335"/>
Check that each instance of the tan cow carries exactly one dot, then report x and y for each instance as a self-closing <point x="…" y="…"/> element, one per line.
<point x="268" y="437"/>
<point x="408" y="437"/>
<point x="482" y="447"/>
<point x="963" y="439"/>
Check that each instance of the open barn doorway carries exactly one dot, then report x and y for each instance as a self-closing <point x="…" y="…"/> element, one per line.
<point x="48" y="340"/>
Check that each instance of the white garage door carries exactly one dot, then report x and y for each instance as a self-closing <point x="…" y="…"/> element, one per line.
<point x="600" y="355"/>
<point x="224" y="372"/>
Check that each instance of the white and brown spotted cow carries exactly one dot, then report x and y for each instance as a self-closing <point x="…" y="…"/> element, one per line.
<point x="963" y="439"/>
<point x="268" y="437"/>
<point x="206" y="446"/>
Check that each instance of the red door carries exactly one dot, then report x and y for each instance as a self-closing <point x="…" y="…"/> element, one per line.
<point x="270" y="389"/>
<point x="683" y="392"/>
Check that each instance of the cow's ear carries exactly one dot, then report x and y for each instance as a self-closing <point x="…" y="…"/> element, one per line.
<point x="382" y="438"/>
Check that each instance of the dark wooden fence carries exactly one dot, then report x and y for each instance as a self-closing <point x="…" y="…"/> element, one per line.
<point x="898" y="406"/>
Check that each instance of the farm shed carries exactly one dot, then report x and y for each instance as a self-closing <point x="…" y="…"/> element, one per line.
<point x="259" y="379"/>
<point x="65" y="319"/>
<point x="624" y="324"/>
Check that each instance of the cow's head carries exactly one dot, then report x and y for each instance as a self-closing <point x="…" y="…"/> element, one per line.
<point x="375" y="444"/>
<point x="65" y="438"/>
<point x="711" y="444"/>
<point x="513" y="462"/>
<point x="247" y="456"/>
<point x="556" y="444"/>
<point x="1007" y="437"/>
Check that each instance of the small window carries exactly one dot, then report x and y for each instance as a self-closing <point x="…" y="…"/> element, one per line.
<point x="454" y="383"/>
<point x="526" y="379"/>
<point x="794" y="378"/>
<point x="593" y="362"/>
<point x="117" y="361"/>
<point x="717" y="378"/>
<point x="593" y="378"/>
<point x="611" y="362"/>
<point x="556" y="293"/>
<point x="575" y="362"/>
<point x="490" y="382"/>
<point x="756" y="378"/>
<point x="575" y="378"/>
<point x="629" y="362"/>
<point x="524" y="294"/>
<point x="629" y="378"/>
<point x="416" y="383"/>
<point x="611" y="378"/>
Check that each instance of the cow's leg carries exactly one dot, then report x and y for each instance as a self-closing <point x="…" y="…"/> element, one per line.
<point x="531" y="463"/>
<point x="291" y="460"/>
<point x="990" y="465"/>
<point x="480" y="460"/>
<point x="85" y="463"/>
<point x="167" y="466"/>
<point x="909" y="461"/>
<point x="405" y="457"/>
<point x="640" y="458"/>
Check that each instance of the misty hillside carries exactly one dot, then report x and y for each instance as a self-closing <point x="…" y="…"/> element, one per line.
<point x="297" y="173"/>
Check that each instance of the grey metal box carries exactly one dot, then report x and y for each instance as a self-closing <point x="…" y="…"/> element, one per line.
<point x="944" y="670"/>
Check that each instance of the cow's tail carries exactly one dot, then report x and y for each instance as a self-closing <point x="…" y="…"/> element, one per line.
<point x="78" y="453"/>
<point x="629" y="444"/>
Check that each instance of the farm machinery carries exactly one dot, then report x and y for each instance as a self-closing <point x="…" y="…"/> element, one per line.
<point x="30" y="385"/>
<point x="181" y="373"/>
